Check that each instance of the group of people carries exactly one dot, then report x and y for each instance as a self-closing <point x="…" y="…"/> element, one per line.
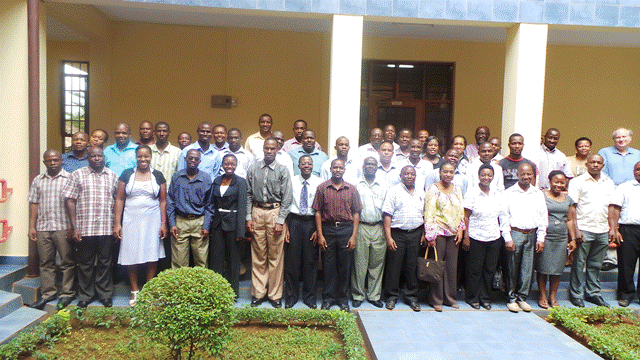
<point x="366" y="214"/>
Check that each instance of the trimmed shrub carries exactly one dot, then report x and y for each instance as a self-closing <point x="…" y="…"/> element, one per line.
<point x="187" y="309"/>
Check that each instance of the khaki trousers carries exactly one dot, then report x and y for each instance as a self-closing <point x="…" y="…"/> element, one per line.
<point x="267" y="254"/>
<point x="189" y="236"/>
<point x="48" y="243"/>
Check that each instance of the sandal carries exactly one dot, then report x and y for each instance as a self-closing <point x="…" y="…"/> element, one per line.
<point x="134" y="294"/>
<point x="554" y="303"/>
<point x="543" y="304"/>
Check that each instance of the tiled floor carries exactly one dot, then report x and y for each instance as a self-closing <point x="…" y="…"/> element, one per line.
<point x="467" y="334"/>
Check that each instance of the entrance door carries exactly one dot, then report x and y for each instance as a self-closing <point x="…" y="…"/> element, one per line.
<point x="399" y="113"/>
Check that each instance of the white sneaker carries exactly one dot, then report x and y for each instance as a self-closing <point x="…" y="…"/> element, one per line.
<point x="513" y="307"/>
<point x="524" y="306"/>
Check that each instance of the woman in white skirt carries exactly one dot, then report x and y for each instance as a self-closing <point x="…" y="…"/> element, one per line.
<point x="141" y="218"/>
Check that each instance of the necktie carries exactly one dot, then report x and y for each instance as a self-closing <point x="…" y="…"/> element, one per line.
<point x="303" y="199"/>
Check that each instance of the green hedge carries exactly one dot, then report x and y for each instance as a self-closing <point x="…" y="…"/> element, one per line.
<point x="46" y="333"/>
<point x="579" y="320"/>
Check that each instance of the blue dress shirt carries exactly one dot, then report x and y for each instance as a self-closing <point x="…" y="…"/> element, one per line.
<point x="71" y="163"/>
<point x="190" y="197"/>
<point x="119" y="161"/>
<point x="210" y="160"/>
<point x="617" y="166"/>
<point x="318" y="157"/>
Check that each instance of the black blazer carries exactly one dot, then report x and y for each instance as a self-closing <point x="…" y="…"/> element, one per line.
<point x="234" y="199"/>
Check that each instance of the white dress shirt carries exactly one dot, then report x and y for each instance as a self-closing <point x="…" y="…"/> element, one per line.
<point x="627" y="196"/>
<point x="423" y="168"/>
<point x="548" y="161"/>
<point x="399" y="156"/>
<point x="459" y="179"/>
<point x="473" y="179"/>
<point x="281" y="158"/>
<point x="391" y="175"/>
<point x="351" y="171"/>
<point x="405" y="208"/>
<point x="365" y="151"/>
<point x="245" y="159"/>
<point x="526" y="210"/>
<point x="488" y="217"/>
<point x="296" y="185"/>
<point x="592" y="199"/>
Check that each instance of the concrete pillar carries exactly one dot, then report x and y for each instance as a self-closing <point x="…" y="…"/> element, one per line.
<point x="345" y="74"/>
<point x="14" y="117"/>
<point x="526" y="54"/>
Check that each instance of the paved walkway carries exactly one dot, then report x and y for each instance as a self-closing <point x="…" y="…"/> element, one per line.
<point x="467" y="334"/>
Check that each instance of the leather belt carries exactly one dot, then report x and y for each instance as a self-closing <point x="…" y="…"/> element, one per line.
<point x="190" y="217"/>
<point x="302" y="217"/>
<point x="371" y="223"/>
<point x="267" y="205"/>
<point x="337" y="223"/>
<point x="524" y="231"/>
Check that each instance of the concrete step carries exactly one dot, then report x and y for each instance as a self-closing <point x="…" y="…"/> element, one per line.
<point x="10" y="274"/>
<point x="9" y="302"/>
<point x="19" y="320"/>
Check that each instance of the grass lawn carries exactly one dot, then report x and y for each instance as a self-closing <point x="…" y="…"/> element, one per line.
<point x="611" y="333"/>
<point x="248" y="342"/>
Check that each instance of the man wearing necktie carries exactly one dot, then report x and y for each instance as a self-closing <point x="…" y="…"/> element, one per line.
<point x="301" y="253"/>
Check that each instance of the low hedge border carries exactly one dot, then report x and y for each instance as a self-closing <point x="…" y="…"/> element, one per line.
<point x="577" y="320"/>
<point x="59" y="324"/>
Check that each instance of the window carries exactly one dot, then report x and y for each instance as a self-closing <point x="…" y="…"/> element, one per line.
<point x="74" y="100"/>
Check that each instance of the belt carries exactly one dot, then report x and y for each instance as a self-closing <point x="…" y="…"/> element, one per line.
<point x="371" y="223"/>
<point x="407" y="231"/>
<point x="337" y="223"/>
<point x="524" y="231"/>
<point x="302" y="217"/>
<point x="267" y="205"/>
<point x="187" y="216"/>
<point x="227" y="210"/>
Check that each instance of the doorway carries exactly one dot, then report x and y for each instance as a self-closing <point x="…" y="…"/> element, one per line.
<point x="413" y="95"/>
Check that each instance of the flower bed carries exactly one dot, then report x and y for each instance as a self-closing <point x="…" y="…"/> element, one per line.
<point x="611" y="333"/>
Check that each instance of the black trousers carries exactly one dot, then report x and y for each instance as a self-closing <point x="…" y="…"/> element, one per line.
<point x="336" y="264"/>
<point x="628" y="253"/>
<point x="300" y="261"/>
<point x="224" y="249"/>
<point x="403" y="261"/>
<point x="481" y="266"/>
<point x="95" y="280"/>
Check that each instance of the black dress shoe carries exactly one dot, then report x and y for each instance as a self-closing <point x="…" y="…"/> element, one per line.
<point x="275" y="303"/>
<point x="64" y="301"/>
<point x="107" y="302"/>
<point x="598" y="300"/>
<point x="256" y="302"/>
<point x="606" y="266"/>
<point x="486" y="306"/>
<point x="624" y="302"/>
<point x="356" y="303"/>
<point x="376" y="303"/>
<point x="83" y="304"/>
<point x="475" y="306"/>
<point x="577" y="302"/>
<point x="325" y="305"/>
<point x="345" y="307"/>
<point x="414" y="306"/>
<point x="40" y="304"/>
<point x="391" y="304"/>
<point x="311" y="305"/>
<point x="288" y="305"/>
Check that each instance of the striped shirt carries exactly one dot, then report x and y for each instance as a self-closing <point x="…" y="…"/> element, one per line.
<point x="372" y="197"/>
<point x="165" y="161"/>
<point x="337" y="204"/>
<point x="405" y="208"/>
<point x="95" y="194"/>
<point x="46" y="191"/>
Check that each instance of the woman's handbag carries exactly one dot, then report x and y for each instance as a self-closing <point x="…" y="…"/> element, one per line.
<point x="430" y="270"/>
